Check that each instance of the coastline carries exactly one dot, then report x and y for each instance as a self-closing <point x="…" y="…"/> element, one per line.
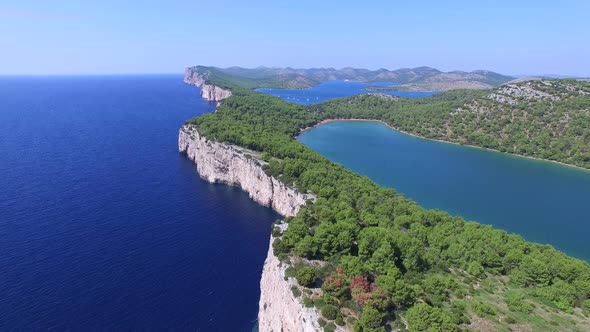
<point x="216" y="162"/>
<point x="438" y="140"/>
<point x="276" y="294"/>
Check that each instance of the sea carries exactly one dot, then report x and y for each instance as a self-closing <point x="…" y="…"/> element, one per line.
<point x="105" y="226"/>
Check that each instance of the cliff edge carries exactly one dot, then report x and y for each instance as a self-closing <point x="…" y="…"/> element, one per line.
<point x="236" y="166"/>
<point x="208" y="91"/>
<point x="279" y="309"/>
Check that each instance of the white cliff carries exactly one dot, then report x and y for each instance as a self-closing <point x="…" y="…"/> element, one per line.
<point x="279" y="310"/>
<point x="218" y="162"/>
<point x="208" y="91"/>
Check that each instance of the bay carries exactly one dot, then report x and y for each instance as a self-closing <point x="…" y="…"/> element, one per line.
<point x="336" y="89"/>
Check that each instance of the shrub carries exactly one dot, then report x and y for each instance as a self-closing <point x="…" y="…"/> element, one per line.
<point x="283" y="258"/>
<point x="279" y="247"/>
<point x="276" y="232"/>
<point x="515" y="302"/>
<point x="422" y="317"/>
<point x="307" y="302"/>
<point x="290" y="272"/>
<point x="561" y="294"/>
<point x="483" y="310"/>
<point x="329" y="312"/>
<point x="489" y="286"/>
<point x="457" y="311"/>
<point x="306" y="276"/>
<point x="475" y="269"/>
<point x="371" y="317"/>
<point x="461" y="293"/>
<point x="296" y="291"/>
<point x="330" y="327"/>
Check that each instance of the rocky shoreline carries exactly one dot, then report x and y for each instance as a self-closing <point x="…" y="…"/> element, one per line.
<point x="222" y="163"/>
<point x="279" y="309"/>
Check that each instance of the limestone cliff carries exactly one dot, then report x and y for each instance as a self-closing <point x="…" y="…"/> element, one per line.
<point x="218" y="162"/>
<point x="279" y="310"/>
<point x="208" y="91"/>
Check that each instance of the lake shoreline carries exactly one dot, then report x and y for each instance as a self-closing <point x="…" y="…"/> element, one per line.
<point x="436" y="140"/>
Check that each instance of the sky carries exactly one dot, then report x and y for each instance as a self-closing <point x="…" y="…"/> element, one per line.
<point x="517" y="37"/>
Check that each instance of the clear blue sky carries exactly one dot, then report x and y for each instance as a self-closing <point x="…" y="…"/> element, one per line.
<point x="104" y="37"/>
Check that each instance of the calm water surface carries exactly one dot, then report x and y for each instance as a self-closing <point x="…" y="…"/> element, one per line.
<point x="545" y="202"/>
<point x="336" y="89"/>
<point x="104" y="226"/>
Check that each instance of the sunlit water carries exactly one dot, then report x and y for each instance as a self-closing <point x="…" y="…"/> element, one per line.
<point x="104" y="226"/>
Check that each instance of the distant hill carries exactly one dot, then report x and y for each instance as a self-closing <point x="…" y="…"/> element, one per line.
<point x="478" y="79"/>
<point x="415" y="79"/>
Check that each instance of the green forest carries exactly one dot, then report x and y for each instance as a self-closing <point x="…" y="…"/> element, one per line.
<point x="385" y="262"/>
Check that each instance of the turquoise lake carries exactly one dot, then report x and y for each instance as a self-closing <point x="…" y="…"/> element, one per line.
<point x="542" y="201"/>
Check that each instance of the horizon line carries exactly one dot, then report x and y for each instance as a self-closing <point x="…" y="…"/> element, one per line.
<point x="545" y="75"/>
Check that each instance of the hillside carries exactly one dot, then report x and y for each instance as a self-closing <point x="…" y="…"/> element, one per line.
<point x="418" y="79"/>
<point x="370" y="259"/>
<point x="479" y="79"/>
<point x="547" y="119"/>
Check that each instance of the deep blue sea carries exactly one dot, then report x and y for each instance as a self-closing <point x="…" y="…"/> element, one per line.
<point x="542" y="201"/>
<point x="336" y="89"/>
<point x="104" y="226"/>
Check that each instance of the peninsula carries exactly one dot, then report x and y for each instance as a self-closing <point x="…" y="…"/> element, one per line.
<point x="351" y="255"/>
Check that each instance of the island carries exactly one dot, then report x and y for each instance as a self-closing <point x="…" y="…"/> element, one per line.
<point x="414" y="79"/>
<point x="350" y="255"/>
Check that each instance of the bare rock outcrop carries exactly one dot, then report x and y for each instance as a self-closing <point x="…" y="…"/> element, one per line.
<point x="279" y="310"/>
<point x="233" y="165"/>
<point x="208" y="91"/>
<point x="512" y="93"/>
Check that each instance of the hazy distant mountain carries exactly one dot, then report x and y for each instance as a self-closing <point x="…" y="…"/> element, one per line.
<point x="419" y="78"/>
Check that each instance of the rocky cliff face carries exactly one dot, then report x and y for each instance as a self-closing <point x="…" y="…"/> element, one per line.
<point x="208" y="91"/>
<point x="217" y="162"/>
<point x="279" y="310"/>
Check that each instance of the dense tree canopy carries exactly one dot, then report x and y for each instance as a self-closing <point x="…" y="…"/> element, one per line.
<point x="385" y="255"/>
